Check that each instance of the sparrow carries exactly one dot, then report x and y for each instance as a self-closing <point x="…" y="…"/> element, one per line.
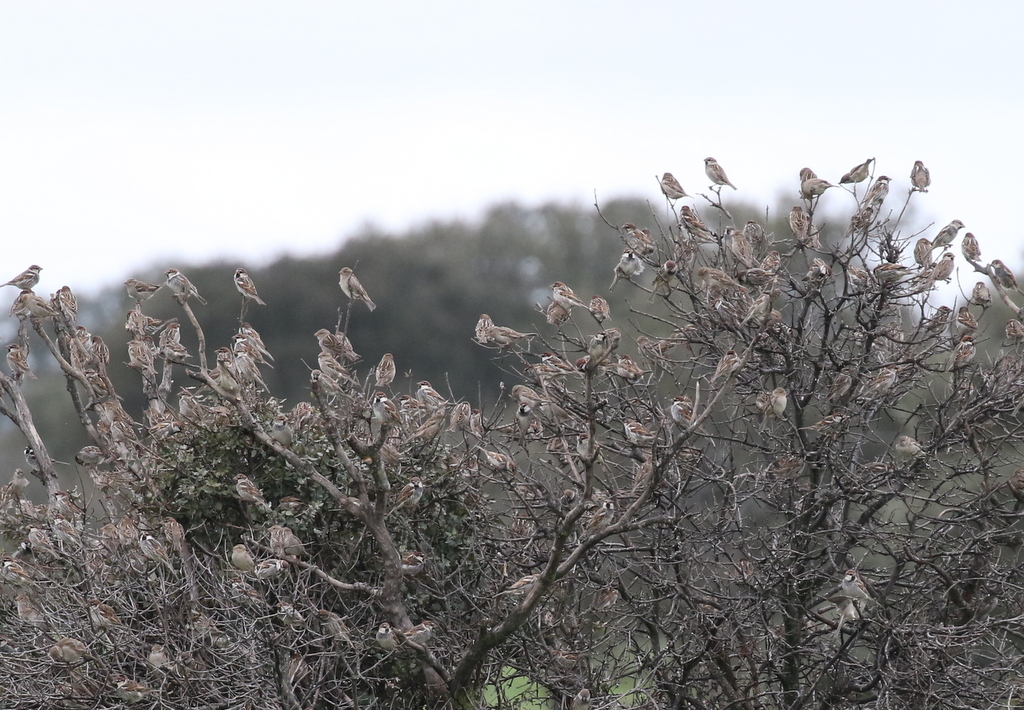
<point x="385" y="371"/>
<point x="65" y="303"/>
<point x="525" y="395"/>
<point x="777" y="402"/>
<point x="947" y="234"/>
<point x="246" y="287"/>
<point x="337" y="344"/>
<point x="411" y="494"/>
<point x="970" y="248"/>
<point x="140" y="290"/>
<point x="333" y="626"/>
<point x="694" y="226"/>
<point x="815" y="187"/>
<point x="17" y="361"/>
<point x="181" y="287"/>
<point x="853" y="587"/>
<point x="943" y="269"/>
<point x="888" y="273"/>
<point x="857" y="174"/>
<point x="878" y="192"/>
<point x="27" y="279"/>
<point x="386" y="638"/>
<point x="154" y="550"/>
<point x="798" y="223"/>
<point x="28" y="611"/>
<point x="920" y="177"/>
<point x="351" y="287"/>
<point x="602" y="516"/>
<point x="966" y="323"/>
<point x="420" y="633"/>
<point x="807" y="174"/>
<point x="102" y="616"/>
<point x="671" y="187"/>
<point x="939" y="320"/>
<point x="716" y="278"/>
<point x="581" y="701"/>
<point x="625" y="368"/>
<point x="564" y="296"/>
<point x="962" y="354"/>
<point x="158" y="657"/>
<point x="268" y="569"/>
<point x="523" y="585"/>
<point x="555" y="314"/>
<point x="29" y="304"/>
<point x="496" y="461"/>
<point x="281" y="431"/>
<point x="429" y="397"/>
<point x="1015" y="331"/>
<point x="481" y="333"/>
<point x="459" y="418"/>
<point x="599" y="309"/>
<point x="880" y="384"/>
<point x="413" y="563"/>
<point x="524" y="417"/>
<point x="284" y="543"/>
<point x="629" y="266"/>
<point x="131" y="691"/>
<point x="598" y="349"/>
<point x="729" y="364"/>
<point x="384" y="410"/>
<point x="1001" y="275"/>
<point x="755" y="234"/>
<point x="715" y="173"/>
<point x="174" y="533"/>
<point x="832" y="424"/>
<point x="681" y="410"/>
<point x="637" y="434"/>
<point x="249" y="493"/>
<point x="606" y="598"/>
<point x="907" y="447"/>
<point x="923" y="252"/>
<point x="663" y="277"/>
<point x="69" y="651"/>
<point x="503" y="336"/>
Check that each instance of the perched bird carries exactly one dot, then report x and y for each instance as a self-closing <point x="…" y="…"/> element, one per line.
<point x="947" y="234"/>
<point x="351" y="287"/>
<point x="181" y="287"/>
<point x="923" y="252"/>
<point x="1015" y="331"/>
<point x="481" y="333"/>
<point x="141" y="290"/>
<point x="602" y="516"/>
<point x="943" y="268"/>
<point x="889" y="273"/>
<point x="281" y="431"/>
<point x="337" y="344"/>
<point x="681" y="410"/>
<point x="27" y="279"/>
<point x="671" y="187"/>
<point x="268" y="569"/>
<point x="386" y="637"/>
<point x="496" y="461"/>
<point x="284" y="543"/>
<point x="29" y="612"/>
<point x="695" y="227"/>
<point x="970" y="248"/>
<point x="1001" y="275"/>
<point x="729" y="364"/>
<point x="815" y="187"/>
<point x="65" y="303"/>
<point x="411" y="494"/>
<point x="413" y="563"/>
<point x="248" y="492"/>
<point x="963" y="353"/>
<point x="131" y="691"/>
<point x="907" y="447"/>
<point x="333" y="626"/>
<point x="421" y="632"/>
<point x="920" y="177"/>
<point x="599" y="309"/>
<point x="581" y="701"/>
<point x="384" y="410"/>
<point x="523" y="585"/>
<point x="880" y="384"/>
<point x="637" y="434"/>
<point x="385" y="371"/>
<point x="628" y="267"/>
<point x="17" y="361"/>
<point x="102" y="616"/>
<point x="878" y="192"/>
<point x="158" y="657"/>
<point x="663" y="278"/>
<point x="853" y="587"/>
<point x="154" y="550"/>
<point x="799" y="224"/>
<point x="807" y="174"/>
<point x="857" y="174"/>
<point x="246" y="287"/>
<point x="429" y="397"/>
<point x="29" y="304"/>
<point x="69" y="651"/>
<point x="715" y="173"/>
<point x="564" y="296"/>
<point x="777" y="402"/>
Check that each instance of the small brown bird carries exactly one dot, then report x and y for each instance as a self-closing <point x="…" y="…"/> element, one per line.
<point x="564" y="296"/>
<point x="17" y="361"/>
<point x="599" y="309"/>
<point x="284" y="543"/>
<point x="947" y="234"/>
<point x="920" y="177"/>
<point x="102" y="616"/>
<point x="1015" y="331"/>
<point x="923" y="252"/>
<point x="857" y="174"/>
<point x="1001" y="275"/>
<point x="815" y="187"/>
<point x="141" y="290"/>
<point x="716" y="173"/>
<point x="246" y="287"/>
<point x="181" y="287"/>
<point x="351" y="287"/>
<point x="69" y="651"/>
<point x="943" y="268"/>
<point x="386" y="637"/>
<point x="878" y="192"/>
<point x="628" y="267"/>
<point x="671" y="187"/>
<point x="411" y="494"/>
<point x="248" y="492"/>
<point x="27" y="279"/>
<point x="637" y="434"/>
<point x="385" y="371"/>
<point x="729" y="364"/>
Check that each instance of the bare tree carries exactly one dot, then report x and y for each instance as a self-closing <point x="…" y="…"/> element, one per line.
<point x="783" y="479"/>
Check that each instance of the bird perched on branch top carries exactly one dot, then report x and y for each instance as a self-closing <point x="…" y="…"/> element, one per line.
<point x="716" y="173"/>
<point x="351" y="287"/>
<point x="246" y="287"/>
<point x="27" y="279"/>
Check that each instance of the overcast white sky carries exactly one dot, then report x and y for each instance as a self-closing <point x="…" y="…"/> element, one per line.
<point x="134" y="134"/>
